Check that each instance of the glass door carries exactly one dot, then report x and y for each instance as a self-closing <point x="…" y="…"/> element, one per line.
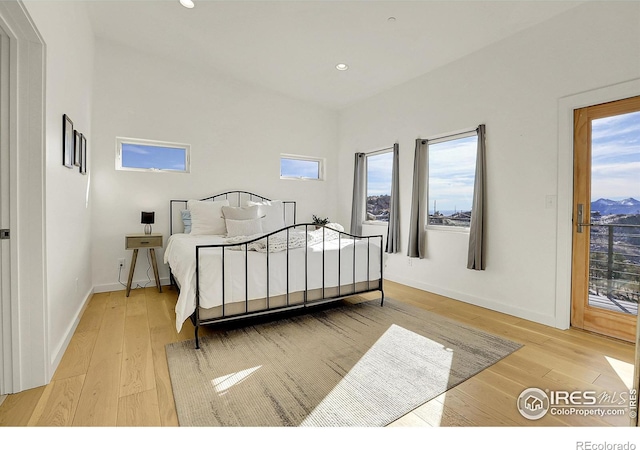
<point x="606" y="218"/>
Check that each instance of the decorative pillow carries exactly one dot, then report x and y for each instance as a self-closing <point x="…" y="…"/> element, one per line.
<point x="335" y="226"/>
<point x="246" y="227"/>
<point x="273" y="212"/>
<point x="241" y="212"/>
<point x="186" y="220"/>
<point x="206" y="217"/>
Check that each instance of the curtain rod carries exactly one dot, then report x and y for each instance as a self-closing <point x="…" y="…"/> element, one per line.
<point x="424" y="141"/>
<point x="377" y="151"/>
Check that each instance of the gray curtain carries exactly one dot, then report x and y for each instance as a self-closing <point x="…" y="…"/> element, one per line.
<point x="418" y="209"/>
<point x="359" y="192"/>
<point x="476" y="259"/>
<point x="393" y="230"/>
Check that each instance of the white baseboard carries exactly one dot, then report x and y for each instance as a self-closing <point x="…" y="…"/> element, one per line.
<point x="119" y="287"/>
<point x="477" y="301"/>
<point x="58" y="352"/>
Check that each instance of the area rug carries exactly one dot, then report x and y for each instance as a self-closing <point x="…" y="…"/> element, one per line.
<point x="352" y="365"/>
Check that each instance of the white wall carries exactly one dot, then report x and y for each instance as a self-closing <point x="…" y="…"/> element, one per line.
<point x="69" y="43"/>
<point x="514" y="87"/>
<point x="236" y="131"/>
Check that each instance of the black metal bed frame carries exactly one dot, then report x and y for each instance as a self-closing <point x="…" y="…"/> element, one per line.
<point x="198" y="321"/>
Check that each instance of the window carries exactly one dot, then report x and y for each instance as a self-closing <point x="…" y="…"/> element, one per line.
<point x="151" y="156"/>
<point x="379" y="172"/>
<point x="295" y="167"/>
<point x="452" y="169"/>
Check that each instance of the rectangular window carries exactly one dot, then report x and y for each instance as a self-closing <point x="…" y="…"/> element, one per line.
<point x="151" y="156"/>
<point x="452" y="170"/>
<point x="379" y="173"/>
<point x="295" y="167"/>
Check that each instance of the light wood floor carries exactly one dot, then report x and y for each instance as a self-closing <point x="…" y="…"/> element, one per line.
<point x="115" y="373"/>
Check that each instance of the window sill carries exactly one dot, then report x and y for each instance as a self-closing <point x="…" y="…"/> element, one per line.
<point x="301" y="179"/>
<point x="138" y="169"/>
<point x="448" y="228"/>
<point x="375" y="223"/>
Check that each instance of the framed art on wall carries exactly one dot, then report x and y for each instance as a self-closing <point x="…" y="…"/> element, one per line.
<point x="83" y="154"/>
<point x="67" y="141"/>
<point x="76" y="148"/>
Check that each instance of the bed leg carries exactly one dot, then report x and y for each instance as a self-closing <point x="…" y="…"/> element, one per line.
<point x="381" y="297"/>
<point x="197" y="339"/>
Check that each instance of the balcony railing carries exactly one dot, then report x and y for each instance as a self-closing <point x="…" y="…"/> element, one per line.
<point x="614" y="264"/>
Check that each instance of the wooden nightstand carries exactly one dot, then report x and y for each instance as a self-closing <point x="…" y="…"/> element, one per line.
<point x="137" y="241"/>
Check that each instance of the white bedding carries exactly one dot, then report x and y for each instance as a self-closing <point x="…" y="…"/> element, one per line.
<point x="180" y="255"/>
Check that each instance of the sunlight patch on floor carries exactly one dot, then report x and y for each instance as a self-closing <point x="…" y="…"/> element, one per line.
<point x="357" y="393"/>
<point x="623" y="369"/>
<point x="437" y="409"/>
<point x="224" y="383"/>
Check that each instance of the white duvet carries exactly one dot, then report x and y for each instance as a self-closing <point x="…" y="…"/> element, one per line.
<point x="180" y="255"/>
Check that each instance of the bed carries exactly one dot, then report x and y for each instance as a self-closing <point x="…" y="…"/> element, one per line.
<point x="238" y="254"/>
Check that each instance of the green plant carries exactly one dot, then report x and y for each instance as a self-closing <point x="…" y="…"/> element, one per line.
<point x="320" y="222"/>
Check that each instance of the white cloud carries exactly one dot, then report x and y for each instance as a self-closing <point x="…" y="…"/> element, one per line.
<point x="615" y="157"/>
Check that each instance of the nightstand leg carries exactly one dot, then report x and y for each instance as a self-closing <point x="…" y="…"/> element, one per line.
<point x="132" y="269"/>
<point x="155" y="268"/>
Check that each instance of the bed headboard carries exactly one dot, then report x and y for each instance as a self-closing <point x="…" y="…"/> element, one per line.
<point x="236" y="198"/>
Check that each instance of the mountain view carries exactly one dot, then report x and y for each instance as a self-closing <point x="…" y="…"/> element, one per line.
<point x="451" y="218"/>
<point x="605" y="206"/>
<point x="378" y="210"/>
<point x="614" y="267"/>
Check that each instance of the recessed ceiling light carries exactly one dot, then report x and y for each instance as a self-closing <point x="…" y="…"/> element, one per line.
<point x="342" y="66"/>
<point x="187" y="3"/>
<point x="391" y="19"/>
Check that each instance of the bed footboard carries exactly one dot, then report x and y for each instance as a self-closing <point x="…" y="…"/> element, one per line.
<point x="308" y="276"/>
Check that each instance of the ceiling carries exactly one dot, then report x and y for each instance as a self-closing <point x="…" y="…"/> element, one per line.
<point x="292" y="47"/>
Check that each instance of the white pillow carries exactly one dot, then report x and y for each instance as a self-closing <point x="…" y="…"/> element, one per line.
<point x="241" y="212"/>
<point x="273" y="212"/>
<point x="246" y="227"/>
<point x="206" y="217"/>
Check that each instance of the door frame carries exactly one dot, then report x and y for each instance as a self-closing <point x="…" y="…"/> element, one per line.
<point x="564" y="224"/>
<point x="564" y="232"/>
<point x="5" y="216"/>
<point x="583" y="315"/>
<point x="24" y="352"/>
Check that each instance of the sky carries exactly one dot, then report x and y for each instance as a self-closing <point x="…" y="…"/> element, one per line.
<point x="145" y="157"/>
<point x="379" y="171"/>
<point x="615" y="157"/>
<point x="299" y="168"/>
<point x="452" y="168"/>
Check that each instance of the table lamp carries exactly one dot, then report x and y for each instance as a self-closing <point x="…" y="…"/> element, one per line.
<point x="147" y="218"/>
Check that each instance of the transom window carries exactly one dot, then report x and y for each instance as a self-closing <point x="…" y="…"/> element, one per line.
<point x="294" y="167"/>
<point x="452" y="169"/>
<point x="151" y="156"/>
<point x="379" y="173"/>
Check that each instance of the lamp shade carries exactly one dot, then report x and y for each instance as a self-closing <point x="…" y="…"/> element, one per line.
<point x="147" y="217"/>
